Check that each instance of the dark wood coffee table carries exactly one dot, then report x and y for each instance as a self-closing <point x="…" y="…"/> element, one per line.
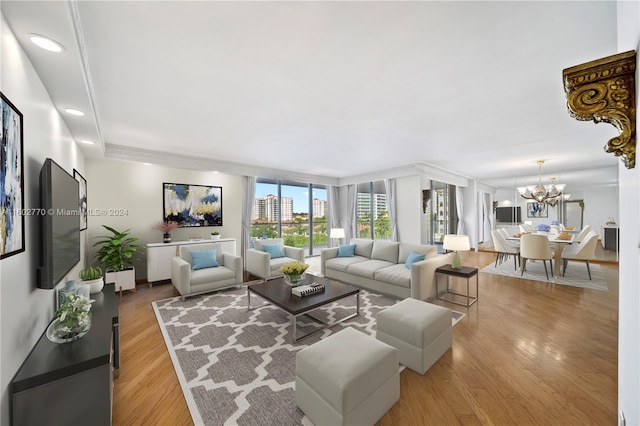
<point x="278" y="292"/>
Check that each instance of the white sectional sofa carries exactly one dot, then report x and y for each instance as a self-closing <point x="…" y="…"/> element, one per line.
<point x="380" y="266"/>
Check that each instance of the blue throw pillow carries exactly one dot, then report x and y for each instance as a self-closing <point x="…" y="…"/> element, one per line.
<point x="413" y="258"/>
<point x="347" y="251"/>
<point x="274" y="250"/>
<point x="204" y="259"/>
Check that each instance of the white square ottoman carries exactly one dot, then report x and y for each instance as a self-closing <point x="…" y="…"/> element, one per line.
<point x="421" y="331"/>
<point x="348" y="378"/>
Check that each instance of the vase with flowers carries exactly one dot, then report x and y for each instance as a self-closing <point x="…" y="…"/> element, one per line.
<point x="543" y="227"/>
<point x="294" y="272"/>
<point x="72" y="319"/>
<point x="166" y="227"/>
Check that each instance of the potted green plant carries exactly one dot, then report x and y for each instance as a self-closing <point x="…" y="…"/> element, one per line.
<point x="117" y="252"/>
<point x="72" y="319"/>
<point x="92" y="277"/>
<point x="215" y="235"/>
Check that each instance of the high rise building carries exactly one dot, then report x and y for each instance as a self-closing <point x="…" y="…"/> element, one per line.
<point x="319" y="207"/>
<point x="267" y="208"/>
<point x="364" y="204"/>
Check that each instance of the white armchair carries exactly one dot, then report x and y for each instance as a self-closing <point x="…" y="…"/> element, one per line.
<point x="268" y="255"/>
<point x="197" y="273"/>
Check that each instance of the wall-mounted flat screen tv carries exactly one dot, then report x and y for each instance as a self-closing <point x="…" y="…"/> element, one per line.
<point x="59" y="225"/>
<point x="508" y="214"/>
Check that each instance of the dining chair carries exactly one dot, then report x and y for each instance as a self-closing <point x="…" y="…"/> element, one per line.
<point x="535" y="247"/>
<point x="506" y="236"/>
<point x="584" y="252"/>
<point x="504" y="250"/>
<point x="578" y="238"/>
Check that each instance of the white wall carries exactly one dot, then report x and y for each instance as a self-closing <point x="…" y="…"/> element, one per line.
<point x="409" y="209"/>
<point x="137" y="189"/>
<point x="25" y="310"/>
<point x="629" y="276"/>
<point x="600" y="205"/>
<point x="470" y="215"/>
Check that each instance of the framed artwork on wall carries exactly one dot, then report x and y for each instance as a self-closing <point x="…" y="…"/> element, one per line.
<point x="192" y="205"/>
<point x="12" y="240"/>
<point x="82" y="199"/>
<point x="536" y="209"/>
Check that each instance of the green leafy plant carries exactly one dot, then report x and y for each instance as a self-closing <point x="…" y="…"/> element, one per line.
<point x="91" y="273"/>
<point x="73" y="311"/>
<point x="215" y="233"/>
<point x="117" y="251"/>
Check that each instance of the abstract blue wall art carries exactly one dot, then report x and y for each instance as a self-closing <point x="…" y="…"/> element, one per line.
<point x="192" y="205"/>
<point x="536" y="209"/>
<point x="11" y="181"/>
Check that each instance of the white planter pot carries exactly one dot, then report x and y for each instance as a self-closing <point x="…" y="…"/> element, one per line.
<point x="123" y="280"/>
<point x="95" y="286"/>
<point x="215" y="237"/>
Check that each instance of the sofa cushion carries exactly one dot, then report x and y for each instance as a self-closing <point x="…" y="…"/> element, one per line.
<point x="413" y="258"/>
<point x="347" y="251"/>
<point x="210" y="275"/>
<point x="396" y="274"/>
<point x="363" y="246"/>
<point x="270" y="241"/>
<point x="185" y="251"/>
<point x="275" y="264"/>
<point x="342" y="263"/>
<point x="368" y="267"/>
<point x="274" y="250"/>
<point x="385" y="250"/>
<point x="406" y="249"/>
<point x="204" y="259"/>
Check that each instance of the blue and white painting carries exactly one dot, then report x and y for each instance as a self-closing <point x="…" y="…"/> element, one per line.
<point x="11" y="181"/>
<point x="536" y="209"/>
<point x="192" y="205"/>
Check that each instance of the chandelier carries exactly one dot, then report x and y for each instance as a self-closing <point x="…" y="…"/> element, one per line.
<point x="541" y="193"/>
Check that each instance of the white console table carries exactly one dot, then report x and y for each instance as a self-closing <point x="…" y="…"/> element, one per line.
<point x="159" y="256"/>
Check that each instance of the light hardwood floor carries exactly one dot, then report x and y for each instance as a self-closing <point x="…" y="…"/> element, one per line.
<point x="527" y="353"/>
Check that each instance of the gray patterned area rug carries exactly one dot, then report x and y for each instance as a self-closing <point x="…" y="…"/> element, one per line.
<point x="576" y="275"/>
<point x="236" y="367"/>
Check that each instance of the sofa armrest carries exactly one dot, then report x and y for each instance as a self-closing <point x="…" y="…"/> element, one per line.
<point x="294" y="253"/>
<point x="326" y="254"/>
<point x="234" y="263"/>
<point x="257" y="263"/>
<point x="181" y="275"/>
<point x="423" y="276"/>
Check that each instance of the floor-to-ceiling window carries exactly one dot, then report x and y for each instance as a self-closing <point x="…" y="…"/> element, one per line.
<point x="294" y="211"/>
<point x="441" y="210"/>
<point x="372" y="214"/>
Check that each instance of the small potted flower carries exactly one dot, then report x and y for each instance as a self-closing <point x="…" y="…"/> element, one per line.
<point x="215" y="235"/>
<point x="543" y="227"/>
<point x="72" y="319"/>
<point x="92" y="277"/>
<point x="294" y="272"/>
<point x="166" y="228"/>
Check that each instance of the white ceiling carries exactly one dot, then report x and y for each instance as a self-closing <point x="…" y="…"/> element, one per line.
<point x="328" y="89"/>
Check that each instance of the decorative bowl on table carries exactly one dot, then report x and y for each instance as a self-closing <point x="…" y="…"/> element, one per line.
<point x="294" y="272"/>
<point x="294" y="279"/>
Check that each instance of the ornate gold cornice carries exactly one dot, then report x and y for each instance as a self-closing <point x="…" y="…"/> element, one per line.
<point x="604" y="91"/>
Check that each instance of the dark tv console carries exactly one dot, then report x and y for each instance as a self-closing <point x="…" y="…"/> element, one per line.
<point x="71" y="383"/>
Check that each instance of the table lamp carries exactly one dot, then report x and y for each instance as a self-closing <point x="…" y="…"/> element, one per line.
<point x="456" y="243"/>
<point x="336" y="234"/>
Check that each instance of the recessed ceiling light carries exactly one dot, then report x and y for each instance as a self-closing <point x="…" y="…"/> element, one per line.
<point x="86" y="141"/>
<point x="74" y="111"/>
<point x="46" y="43"/>
<point x="215" y="171"/>
<point x="147" y="164"/>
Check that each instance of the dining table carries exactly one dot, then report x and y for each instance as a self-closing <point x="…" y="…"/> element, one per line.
<point x="558" y="246"/>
